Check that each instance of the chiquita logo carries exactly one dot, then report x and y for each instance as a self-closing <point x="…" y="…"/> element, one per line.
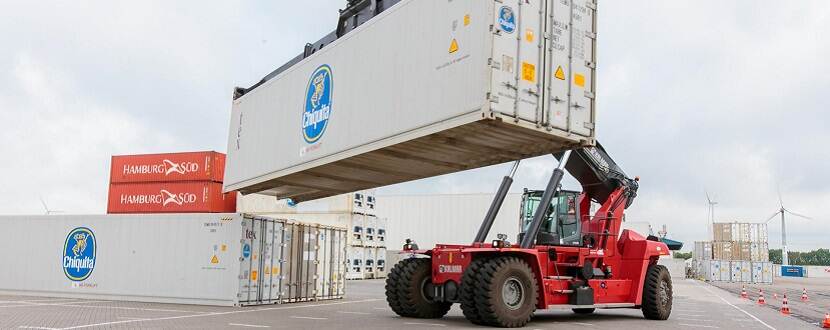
<point x="79" y="254"/>
<point x="318" y="105"/>
<point x="507" y="20"/>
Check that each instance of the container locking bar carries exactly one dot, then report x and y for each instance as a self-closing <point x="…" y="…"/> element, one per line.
<point x="529" y="239"/>
<point x="498" y="200"/>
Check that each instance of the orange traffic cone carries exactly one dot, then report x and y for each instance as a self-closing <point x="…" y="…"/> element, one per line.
<point x="826" y="323"/>
<point x="743" y="293"/>
<point x="804" y="295"/>
<point x="785" y="307"/>
<point x="761" y="300"/>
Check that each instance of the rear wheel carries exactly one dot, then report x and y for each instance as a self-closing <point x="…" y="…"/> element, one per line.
<point x="584" y="310"/>
<point x="506" y="292"/>
<point x="657" y="293"/>
<point x="408" y="290"/>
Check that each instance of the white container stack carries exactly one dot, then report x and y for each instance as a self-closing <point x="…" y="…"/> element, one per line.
<point x="366" y="252"/>
<point x="739" y="252"/>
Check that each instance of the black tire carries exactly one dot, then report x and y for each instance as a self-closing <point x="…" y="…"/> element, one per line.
<point x="657" y="293"/>
<point x="404" y="290"/>
<point x="467" y="293"/>
<point x="495" y="303"/>
<point x="584" y="310"/>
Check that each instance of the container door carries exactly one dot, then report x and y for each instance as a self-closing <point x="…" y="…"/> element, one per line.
<point x="247" y="286"/>
<point x="323" y="263"/>
<point x="290" y="257"/>
<point x="341" y="263"/>
<point x="257" y="246"/>
<point x="570" y="61"/>
<point x="276" y="261"/>
<point x="518" y="59"/>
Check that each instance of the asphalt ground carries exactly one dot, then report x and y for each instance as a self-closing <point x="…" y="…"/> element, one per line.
<point x="697" y="305"/>
<point x="811" y="311"/>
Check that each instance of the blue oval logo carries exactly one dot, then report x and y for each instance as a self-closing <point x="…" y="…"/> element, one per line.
<point x="79" y="254"/>
<point x="507" y="20"/>
<point x="246" y="251"/>
<point x="318" y="105"/>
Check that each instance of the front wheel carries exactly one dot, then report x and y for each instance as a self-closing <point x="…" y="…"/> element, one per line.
<point x="407" y="290"/>
<point x="657" y="293"/>
<point x="505" y="292"/>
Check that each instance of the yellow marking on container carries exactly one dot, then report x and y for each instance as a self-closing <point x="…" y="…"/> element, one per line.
<point x="275" y="270"/>
<point x="253" y="275"/>
<point x="529" y="35"/>
<point x="560" y="73"/>
<point x="528" y="72"/>
<point x="579" y="80"/>
<point x="453" y="46"/>
<point x="466" y="19"/>
<point x="224" y="247"/>
<point x="214" y="260"/>
<point x="450" y="257"/>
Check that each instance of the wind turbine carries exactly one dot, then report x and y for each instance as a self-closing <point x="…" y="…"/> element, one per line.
<point x="784" y="257"/>
<point x="711" y="215"/>
<point x="46" y="208"/>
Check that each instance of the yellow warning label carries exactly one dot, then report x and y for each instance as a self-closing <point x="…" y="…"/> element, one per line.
<point x="214" y="260"/>
<point x="466" y="19"/>
<point x="267" y="270"/>
<point x="275" y="270"/>
<point x="560" y="74"/>
<point x="450" y="257"/>
<point x="579" y="80"/>
<point x="453" y="46"/>
<point x="253" y="275"/>
<point x="529" y="35"/>
<point x="224" y="247"/>
<point x="528" y="72"/>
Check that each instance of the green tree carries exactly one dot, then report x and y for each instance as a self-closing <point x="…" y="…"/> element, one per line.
<point x="820" y="257"/>
<point x="682" y="255"/>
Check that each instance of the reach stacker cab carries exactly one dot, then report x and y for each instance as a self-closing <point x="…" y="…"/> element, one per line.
<point x="564" y="258"/>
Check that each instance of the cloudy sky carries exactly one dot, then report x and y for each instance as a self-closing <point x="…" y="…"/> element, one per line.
<point x="693" y="96"/>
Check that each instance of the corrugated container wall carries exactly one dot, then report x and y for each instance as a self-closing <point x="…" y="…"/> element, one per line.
<point x="185" y="166"/>
<point x="207" y="259"/>
<point x="172" y="197"/>
<point x="423" y="89"/>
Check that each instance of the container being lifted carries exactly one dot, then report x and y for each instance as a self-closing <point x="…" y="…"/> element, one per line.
<point x="423" y="88"/>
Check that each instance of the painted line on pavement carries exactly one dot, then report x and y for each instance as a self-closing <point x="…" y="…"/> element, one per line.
<point x="219" y="313"/>
<point x="736" y="307"/>
<point x="138" y="309"/>
<point x="693" y="320"/>
<point x="309" y="318"/>
<point x="43" y="328"/>
<point x="427" y="324"/>
<point x="248" y="325"/>
<point x="356" y="313"/>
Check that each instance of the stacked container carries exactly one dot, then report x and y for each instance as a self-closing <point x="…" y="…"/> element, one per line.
<point x="189" y="182"/>
<point x="355" y="212"/>
<point x="739" y="252"/>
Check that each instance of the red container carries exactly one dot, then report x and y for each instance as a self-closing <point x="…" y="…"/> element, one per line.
<point x="186" y="166"/>
<point x="170" y="197"/>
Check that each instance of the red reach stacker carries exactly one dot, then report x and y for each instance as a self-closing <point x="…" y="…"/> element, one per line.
<point x="565" y="258"/>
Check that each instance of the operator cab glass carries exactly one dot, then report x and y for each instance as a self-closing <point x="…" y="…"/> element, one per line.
<point x="561" y="224"/>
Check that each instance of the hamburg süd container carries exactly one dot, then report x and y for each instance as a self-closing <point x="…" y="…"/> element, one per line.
<point x="170" y="197"/>
<point x="223" y="259"/>
<point x="184" y="166"/>
<point x="483" y="82"/>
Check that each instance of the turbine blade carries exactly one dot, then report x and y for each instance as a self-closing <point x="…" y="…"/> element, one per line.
<point x="798" y="215"/>
<point x="772" y="216"/>
<point x="780" y="200"/>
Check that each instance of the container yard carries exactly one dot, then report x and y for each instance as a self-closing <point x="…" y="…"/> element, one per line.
<point x="395" y="164"/>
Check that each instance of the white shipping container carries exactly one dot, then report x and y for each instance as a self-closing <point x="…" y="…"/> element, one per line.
<point x="762" y="272"/>
<point x="381" y="269"/>
<point x="381" y="231"/>
<point x="397" y="99"/>
<point x="355" y="224"/>
<point x="711" y="270"/>
<point x="725" y="270"/>
<point x="356" y="263"/>
<point x="703" y="251"/>
<point x="209" y="259"/>
<point x="360" y="202"/>
<point x="676" y="267"/>
<point x="445" y="219"/>
<point x="369" y="255"/>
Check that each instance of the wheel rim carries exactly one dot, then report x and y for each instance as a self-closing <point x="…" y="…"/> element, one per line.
<point x="425" y="285"/>
<point x="663" y="293"/>
<point x="513" y="293"/>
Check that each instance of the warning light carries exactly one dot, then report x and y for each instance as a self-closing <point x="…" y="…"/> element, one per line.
<point x="453" y="46"/>
<point x="560" y="74"/>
